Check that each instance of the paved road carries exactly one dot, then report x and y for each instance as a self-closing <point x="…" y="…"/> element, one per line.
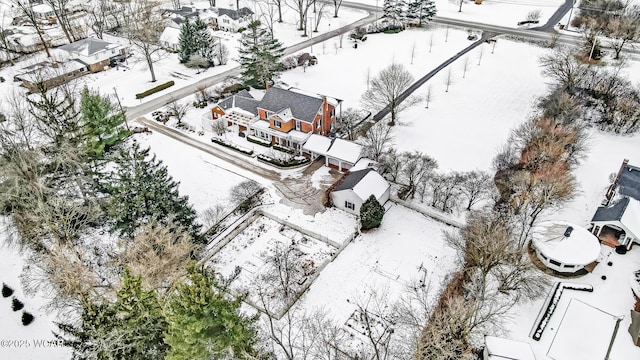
<point x="134" y="112"/>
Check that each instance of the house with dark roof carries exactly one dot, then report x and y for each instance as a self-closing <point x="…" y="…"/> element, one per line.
<point x="284" y="117"/>
<point x="232" y="20"/>
<point x="355" y="189"/>
<point x="617" y="221"/>
<point x="96" y="54"/>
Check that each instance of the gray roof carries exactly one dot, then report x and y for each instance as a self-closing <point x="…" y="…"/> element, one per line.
<point x="613" y="212"/>
<point x="351" y="180"/>
<point x="629" y="182"/>
<point x="87" y="47"/>
<point x="235" y="14"/>
<point x="303" y="107"/>
<point x="242" y="100"/>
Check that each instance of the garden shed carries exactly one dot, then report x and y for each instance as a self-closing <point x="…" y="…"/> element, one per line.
<point x="355" y="189"/>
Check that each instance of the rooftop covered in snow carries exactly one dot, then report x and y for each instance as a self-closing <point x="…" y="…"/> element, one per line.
<point x="585" y="333"/>
<point x="497" y="348"/>
<point x="580" y="247"/>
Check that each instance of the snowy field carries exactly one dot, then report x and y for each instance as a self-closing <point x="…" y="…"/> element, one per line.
<point x="386" y="260"/>
<point x="32" y="342"/>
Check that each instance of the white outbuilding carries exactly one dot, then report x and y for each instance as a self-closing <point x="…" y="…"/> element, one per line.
<point x="496" y="348"/>
<point x="355" y="189"/>
<point x="565" y="247"/>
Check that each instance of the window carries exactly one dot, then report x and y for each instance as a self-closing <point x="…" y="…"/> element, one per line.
<point x="554" y="262"/>
<point x="277" y="123"/>
<point x="298" y="125"/>
<point x="349" y="205"/>
<point x="333" y="113"/>
<point x="569" y="266"/>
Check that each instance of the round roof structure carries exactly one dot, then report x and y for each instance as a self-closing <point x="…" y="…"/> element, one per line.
<point x="566" y="243"/>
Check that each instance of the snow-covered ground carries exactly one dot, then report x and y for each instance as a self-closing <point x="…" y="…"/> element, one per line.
<point x="462" y="130"/>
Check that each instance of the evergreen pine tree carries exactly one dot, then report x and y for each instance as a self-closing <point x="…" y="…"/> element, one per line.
<point x="259" y="55"/>
<point x="371" y="213"/>
<point x="421" y="11"/>
<point x="130" y="328"/>
<point x="389" y="9"/>
<point x="186" y="42"/>
<point x="204" y="43"/>
<point x="204" y="323"/>
<point x="142" y="190"/>
<point x="401" y="12"/>
<point x="103" y="124"/>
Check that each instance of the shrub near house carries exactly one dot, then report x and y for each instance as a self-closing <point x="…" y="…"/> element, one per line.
<point x="371" y="213"/>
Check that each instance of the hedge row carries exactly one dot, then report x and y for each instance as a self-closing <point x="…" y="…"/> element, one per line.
<point x="284" y="149"/>
<point x="231" y="146"/>
<point x="258" y="141"/>
<point x="283" y="163"/>
<point x="154" y="90"/>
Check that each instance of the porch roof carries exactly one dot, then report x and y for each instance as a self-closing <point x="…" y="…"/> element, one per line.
<point x="239" y="118"/>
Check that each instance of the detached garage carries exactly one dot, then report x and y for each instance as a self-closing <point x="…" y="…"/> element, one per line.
<point x="356" y="188"/>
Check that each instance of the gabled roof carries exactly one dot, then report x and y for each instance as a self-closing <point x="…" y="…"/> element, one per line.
<point x="303" y="107"/>
<point x="170" y="35"/>
<point x="317" y="144"/>
<point x="629" y="181"/>
<point x="364" y="183"/>
<point x="613" y="212"/>
<point x="88" y="46"/>
<point x="345" y="150"/>
<point x="235" y="14"/>
<point x="242" y="100"/>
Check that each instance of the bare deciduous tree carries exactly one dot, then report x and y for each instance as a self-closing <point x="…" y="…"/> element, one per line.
<point x="301" y="7"/>
<point x="144" y="27"/>
<point x="376" y="141"/>
<point x="158" y="254"/>
<point x="387" y="89"/>
<point x="563" y="67"/>
<point x="348" y="122"/>
<point x="26" y="9"/>
<point x="477" y="186"/>
<point x="245" y="194"/>
<point x="178" y="109"/>
<point x="465" y="66"/>
<point x="448" y="79"/>
<point x="415" y="167"/>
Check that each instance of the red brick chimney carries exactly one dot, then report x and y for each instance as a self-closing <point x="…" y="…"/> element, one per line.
<point x="609" y="195"/>
<point x="325" y="110"/>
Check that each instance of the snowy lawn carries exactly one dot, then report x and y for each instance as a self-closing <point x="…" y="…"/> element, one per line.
<point x="35" y="341"/>
<point x="386" y="259"/>
<point x="205" y="179"/>
<point x="477" y="112"/>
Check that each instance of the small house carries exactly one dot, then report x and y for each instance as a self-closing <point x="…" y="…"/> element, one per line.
<point x="170" y="38"/>
<point x="617" y="221"/>
<point x="357" y="187"/>
<point x="232" y="20"/>
<point x="97" y="54"/>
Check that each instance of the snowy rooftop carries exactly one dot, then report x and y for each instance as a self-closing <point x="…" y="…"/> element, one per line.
<point x="507" y="349"/>
<point x="170" y="35"/>
<point x="42" y="8"/>
<point x="580" y="247"/>
<point x="317" y="144"/>
<point x="345" y="150"/>
<point x="585" y="333"/>
<point x="372" y="184"/>
<point x="88" y="46"/>
<point x="631" y="217"/>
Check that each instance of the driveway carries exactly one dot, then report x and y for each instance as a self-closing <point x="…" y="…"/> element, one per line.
<point x="296" y="190"/>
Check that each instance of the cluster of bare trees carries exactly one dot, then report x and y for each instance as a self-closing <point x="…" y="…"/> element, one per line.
<point x="618" y="20"/>
<point x="612" y="100"/>
<point x="377" y="329"/>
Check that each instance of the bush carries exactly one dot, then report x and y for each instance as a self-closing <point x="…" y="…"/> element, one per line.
<point x="258" y="141"/>
<point x="283" y="163"/>
<point x="1" y="79"/>
<point x="232" y="89"/>
<point x="284" y="149"/>
<point x="241" y="29"/>
<point x="371" y="213"/>
<point x="231" y="146"/>
<point x="155" y="89"/>
<point x="6" y="291"/>
<point x="16" y="305"/>
<point x="27" y="318"/>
